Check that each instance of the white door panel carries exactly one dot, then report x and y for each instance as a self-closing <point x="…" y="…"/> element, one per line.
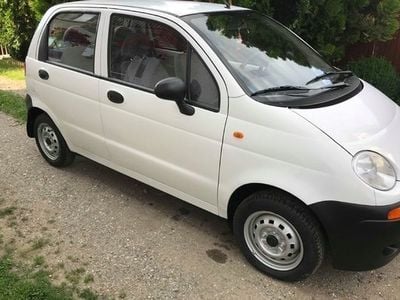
<point x="73" y="98"/>
<point x="151" y="137"/>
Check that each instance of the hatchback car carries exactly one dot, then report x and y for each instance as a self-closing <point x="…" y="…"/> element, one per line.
<point x="230" y="111"/>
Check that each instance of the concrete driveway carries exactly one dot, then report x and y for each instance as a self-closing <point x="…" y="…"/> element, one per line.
<point x="144" y="243"/>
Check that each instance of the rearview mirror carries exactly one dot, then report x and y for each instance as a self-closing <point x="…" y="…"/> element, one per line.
<point x="174" y="89"/>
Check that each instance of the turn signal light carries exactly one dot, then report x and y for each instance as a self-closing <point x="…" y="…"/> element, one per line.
<point x="239" y="135"/>
<point x="394" y="214"/>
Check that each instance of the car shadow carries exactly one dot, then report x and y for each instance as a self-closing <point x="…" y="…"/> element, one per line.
<point x="325" y="279"/>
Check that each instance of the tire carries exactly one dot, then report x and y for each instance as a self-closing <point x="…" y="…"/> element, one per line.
<point x="279" y="236"/>
<point x="51" y="143"/>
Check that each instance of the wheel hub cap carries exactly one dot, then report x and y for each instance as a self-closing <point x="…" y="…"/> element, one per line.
<point x="48" y="141"/>
<point x="273" y="241"/>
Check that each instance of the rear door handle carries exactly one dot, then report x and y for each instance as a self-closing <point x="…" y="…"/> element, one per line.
<point x="115" y="97"/>
<point x="43" y="74"/>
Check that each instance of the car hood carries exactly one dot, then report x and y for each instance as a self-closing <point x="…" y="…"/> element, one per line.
<point x="368" y="121"/>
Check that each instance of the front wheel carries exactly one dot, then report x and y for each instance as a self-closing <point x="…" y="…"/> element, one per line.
<point x="51" y="143"/>
<point x="279" y="236"/>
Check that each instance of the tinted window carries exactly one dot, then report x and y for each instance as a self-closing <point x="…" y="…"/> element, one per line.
<point x="143" y="52"/>
<point x="203" y="89"/>
<point x="72" y="40"/>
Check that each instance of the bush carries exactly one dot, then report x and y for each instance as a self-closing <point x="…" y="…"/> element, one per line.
<point x="380" y="73"/>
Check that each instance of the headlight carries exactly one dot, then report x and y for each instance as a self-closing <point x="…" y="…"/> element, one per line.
<point x="374" y="170"/>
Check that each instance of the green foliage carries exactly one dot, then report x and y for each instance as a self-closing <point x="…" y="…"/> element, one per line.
<point x="18" y="20"/>
<point x="17" y="25"/>
<point x="39" y="7"/>
<point x="13" y="105"/>
<point x="331" y="25"/>
<point x="380" y="73"/>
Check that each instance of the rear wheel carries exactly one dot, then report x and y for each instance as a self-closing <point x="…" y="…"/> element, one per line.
<point x="279" y="236"/>
<point x="51" y="143"/>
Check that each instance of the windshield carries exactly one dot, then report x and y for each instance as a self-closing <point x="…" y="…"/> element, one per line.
<point x="265" y="57"/>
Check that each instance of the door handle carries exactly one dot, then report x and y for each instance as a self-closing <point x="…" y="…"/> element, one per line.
<point x="115" y="97"/>
<point x="43" y="74"/>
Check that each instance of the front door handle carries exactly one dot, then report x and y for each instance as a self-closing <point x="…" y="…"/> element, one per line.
<point x="115" y="97"/>
<point x="43" y="74"/>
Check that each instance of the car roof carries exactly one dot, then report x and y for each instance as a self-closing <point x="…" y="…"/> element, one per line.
<point x="176" y="8"/>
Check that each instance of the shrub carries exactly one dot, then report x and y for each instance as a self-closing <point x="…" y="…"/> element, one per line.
<point x="380" y="73"/>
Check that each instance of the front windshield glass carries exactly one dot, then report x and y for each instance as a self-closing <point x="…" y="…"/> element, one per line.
<point x="264" y="55"/>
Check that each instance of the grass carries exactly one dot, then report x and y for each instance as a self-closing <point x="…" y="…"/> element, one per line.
<point x="11" y="69"/>
<point x="7" y="211"/>
<point x="21" y="282"/>
<point x="39" y="243"/>
<point x="13" y="105"/>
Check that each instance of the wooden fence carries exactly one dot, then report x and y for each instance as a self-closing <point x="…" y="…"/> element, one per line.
<point x="389" y="50"/>
<point x="3" y="52"/>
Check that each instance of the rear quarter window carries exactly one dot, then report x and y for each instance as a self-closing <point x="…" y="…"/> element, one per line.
<point x="71" y="40"/>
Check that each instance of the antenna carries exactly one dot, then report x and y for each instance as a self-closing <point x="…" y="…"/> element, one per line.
<point x="227" y="4"/>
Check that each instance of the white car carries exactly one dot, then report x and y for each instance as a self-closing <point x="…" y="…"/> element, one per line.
<point x="300" y="157"/>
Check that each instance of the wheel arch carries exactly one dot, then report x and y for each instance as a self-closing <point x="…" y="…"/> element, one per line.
<point x="33" y="113"/>
<point x="244" y="191"/>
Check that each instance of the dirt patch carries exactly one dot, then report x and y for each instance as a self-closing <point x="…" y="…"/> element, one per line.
<point x="16" y="86"/>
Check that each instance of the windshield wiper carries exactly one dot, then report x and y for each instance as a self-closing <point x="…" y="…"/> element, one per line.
<point x="280" y="89"/>
<point x="318" y="78"/>
<point x="298" y="88"/>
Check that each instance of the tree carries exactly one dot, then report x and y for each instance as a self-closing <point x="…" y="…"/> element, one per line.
<point x="39" y="7"/>
<point x="17" y="26"/>
<point x="18" y="20"/>
<point x="331" y="25"/>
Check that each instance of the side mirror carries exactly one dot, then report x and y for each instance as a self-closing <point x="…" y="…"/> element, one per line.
<point x="174" y="89"/>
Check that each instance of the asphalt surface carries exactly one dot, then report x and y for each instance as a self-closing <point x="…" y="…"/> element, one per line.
<point x="144" y="243"/>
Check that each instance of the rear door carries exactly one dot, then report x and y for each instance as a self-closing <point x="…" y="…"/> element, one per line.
<point x="66" y="81"/>
<point x="148" y="137"/>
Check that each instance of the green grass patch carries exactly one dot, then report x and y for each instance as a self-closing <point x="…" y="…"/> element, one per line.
<point x="12" y="69"/>
<point x="19" y="282"/>
<point x="38" y="261"/>
<point x="75" y="276"/>
<point x="39" y="244"/>
<point x="13" y="105"/>
<point x="8" y="211"/>
<point x="88" y="278"/>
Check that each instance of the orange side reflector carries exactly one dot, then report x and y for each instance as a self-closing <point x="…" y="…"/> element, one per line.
<point x="394" y="214"/>
<point x="238" y="135"/>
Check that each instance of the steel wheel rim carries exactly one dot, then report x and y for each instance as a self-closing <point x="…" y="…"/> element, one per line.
<point x="48" y="141"/>
<point x="274" y="241"/>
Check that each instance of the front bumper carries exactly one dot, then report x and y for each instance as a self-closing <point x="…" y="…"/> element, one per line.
<point x="360" y="237"/>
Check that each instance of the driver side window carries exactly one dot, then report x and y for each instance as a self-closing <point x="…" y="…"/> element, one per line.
<point x="142" y="52"/>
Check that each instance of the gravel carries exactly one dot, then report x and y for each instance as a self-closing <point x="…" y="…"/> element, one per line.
<point x="143" y="243"/>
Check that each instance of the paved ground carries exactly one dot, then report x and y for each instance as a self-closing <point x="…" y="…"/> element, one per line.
<point x="141" y="242"/>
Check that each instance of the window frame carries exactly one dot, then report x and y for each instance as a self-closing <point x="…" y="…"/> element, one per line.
<point x="190" y="48"/>
<point x="43" y="54"/>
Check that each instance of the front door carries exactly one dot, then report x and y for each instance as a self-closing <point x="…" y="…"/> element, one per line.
<point x="148" y="137"/>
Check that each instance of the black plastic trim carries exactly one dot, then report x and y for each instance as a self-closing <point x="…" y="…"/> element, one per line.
<point x="360" y="237"/>
<point x="28" y="102"/>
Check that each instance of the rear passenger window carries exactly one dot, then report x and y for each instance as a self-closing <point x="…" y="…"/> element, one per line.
<point x="143" y="52"/>
<point x="72" y="40"/>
